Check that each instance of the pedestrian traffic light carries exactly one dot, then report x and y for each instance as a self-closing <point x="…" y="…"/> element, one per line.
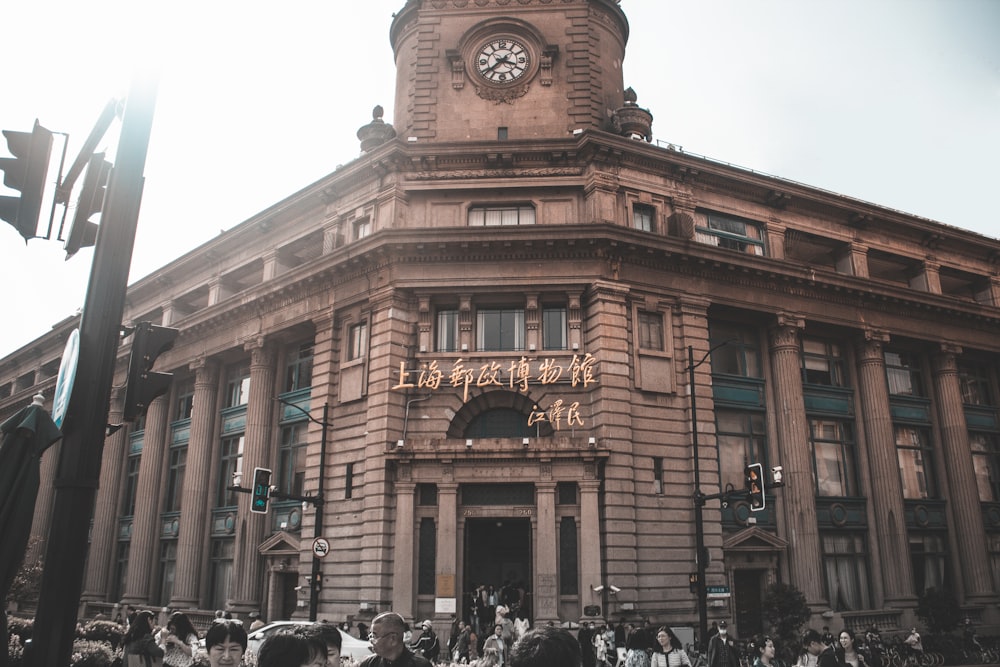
<point x="754" y="476"/>
<point x="693" y="582"/>
<point x="26" y="172"/>
<point x="144" y="384"/>
<point x="261" y="490"/>
<point x="83" y="232"/>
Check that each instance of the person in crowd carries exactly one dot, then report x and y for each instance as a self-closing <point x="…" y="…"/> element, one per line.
<point x="600" y="647"/>
<point x="219" y="616"/>
<point x="225" y="642"/>
<point x="521" y="624"/>
<point x="362" y="631"/>
<point x="390" y="649"/>
<point x="815" y="652"/>
<point x="620" y="634"/>
<point x="286" y="649"/>
<point x="828" y="637"/>
<point x="179" y="641"/>
<point x="914" y="645"/>
<point x="585" y="637"/>
<point x="256" y="622"/>
<point x="762" y="651"/>
<point x="722" y="649"/>
<point x="969" y="638"/>
<point x="491" y="658"/>
<point x="847" y="652"/>
<point x="496" y="641"/>
<point x="329" y="636"/>
<point x="141" y="649"/>
<point x="669" y="652"/>
<point x="637" y="645"/>
<point x="459" y="643"/>
<point x="427" y="643"/>
<point x="546" y="647"/>
<point x="873" y="640"/>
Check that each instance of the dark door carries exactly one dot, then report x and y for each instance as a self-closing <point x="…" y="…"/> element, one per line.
<point x="498" y="553"/>
<point x="749" y="590"/>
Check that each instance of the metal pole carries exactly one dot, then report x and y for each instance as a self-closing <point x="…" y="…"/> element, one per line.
<point x="314" y="587"/>
<point x="699" y="502"/>
<point x="87" y="414"/>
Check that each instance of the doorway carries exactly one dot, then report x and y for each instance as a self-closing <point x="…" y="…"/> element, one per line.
<point x="497" y="553"/>
<point x="749" y="593"/>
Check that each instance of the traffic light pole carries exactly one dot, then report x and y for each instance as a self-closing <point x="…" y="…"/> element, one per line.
<point x="84" y="427"/>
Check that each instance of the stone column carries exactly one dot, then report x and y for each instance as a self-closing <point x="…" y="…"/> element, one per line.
<point x="403" y="584"/>
<point x="445" y="566"/>
<point x="963" y="496"/>
<point x="888" y="537"/>
<point x="247" y="562"/>
<point x="143" y="557"/>
<point x="546" y="566"/>
<point x="590" y="537"/>
<point x="104" y="532"/>
<point x="798" y="497"/>
<point x="196" y="508"/>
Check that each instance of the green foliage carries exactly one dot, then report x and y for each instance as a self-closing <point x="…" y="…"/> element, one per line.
<point x="15" y="651"/>
<point x="28" y="579"/>
<point x="20" y="627"/>
<point x="939" y="611"/>
<point x="785" y="610"/>
<point x="104" y="631"/>
<point x="87" y="653"/>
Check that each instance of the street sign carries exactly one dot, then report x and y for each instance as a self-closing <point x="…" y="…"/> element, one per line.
<point x="320" y="547"/>
<point x="717" y="591"/>
<point x="67" y="374"/>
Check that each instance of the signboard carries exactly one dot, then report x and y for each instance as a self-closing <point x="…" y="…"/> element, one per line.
<point x="445" y="605"/>
<point x="320" y="547"/>
<point x="717" y="592"/>
<point x="67" y="374"/>
<point x="592" y="610"/>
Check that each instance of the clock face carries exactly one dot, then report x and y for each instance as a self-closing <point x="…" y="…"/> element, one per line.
<point x="502" y="60"/>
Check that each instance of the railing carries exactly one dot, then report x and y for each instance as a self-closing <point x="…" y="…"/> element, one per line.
<point x="884" y="620"/>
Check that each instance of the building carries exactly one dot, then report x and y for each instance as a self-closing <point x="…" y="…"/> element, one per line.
<point x="498" y="308"/>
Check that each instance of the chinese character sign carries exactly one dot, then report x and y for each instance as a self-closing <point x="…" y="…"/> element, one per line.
<point x="517" y="375"/>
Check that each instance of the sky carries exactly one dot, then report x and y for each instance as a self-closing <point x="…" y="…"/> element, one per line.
<point x="893" y="102"/>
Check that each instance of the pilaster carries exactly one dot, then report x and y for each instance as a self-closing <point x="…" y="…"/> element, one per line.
<point x="546" y="584"/>
<point x="447" y="548"/>
<point x="403" y="585"/>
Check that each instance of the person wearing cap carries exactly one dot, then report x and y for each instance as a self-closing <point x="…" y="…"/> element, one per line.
<point x="722" y="649"/>
<point x="427" y="644"/>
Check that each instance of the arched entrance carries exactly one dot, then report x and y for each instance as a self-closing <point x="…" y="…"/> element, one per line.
<point x="498" y="552"/>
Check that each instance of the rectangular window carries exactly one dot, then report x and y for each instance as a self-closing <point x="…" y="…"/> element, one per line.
<point x="500" y="329"/>
<point x="732" y="234"/>
<point x="497" y="216"/>
<point x="736" y="350"/>
<point x="569" y="557"/>
<point x="427" y="495"/>
<point x="131" y="483"/>
<point x="554" y="332"/>
<point x="168" y="567"/>
<point x="993" y="547"/>
<point x="916" y="469"/>
<point x="929" y="561"/>
<point x="742" y="439"/>
<point x="657" y="475"/>
<point x="362" y="228"/>
<point x="121" y="570"/>
<point x="833" y="457"/>
<point x="822" y="363"/>
<point x="349" y="481"/>
<point x="185" y="400"/>
<point x="232" y="462"/>
<point x="357" y="341"/>
<point x="298" y="367"/>
<point x="447" y="331"/>
<point x="974" y="380"/>
<point x="643" y="217"/>
<point x="986" y="462"/>
<point x="238" y="385"/>
<point x="292" y="459"/>
<point x="221" y="571"/>
<point x="845" y="570"/>
<point x="651" y="331"/>
<point x="903" y="374"/>
<point x="426" y="557"/>
<point x="176" y="464"/>
<point x="566" y="493"/>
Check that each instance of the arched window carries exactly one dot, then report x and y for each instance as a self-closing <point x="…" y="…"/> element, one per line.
<point x="499" y="423"/>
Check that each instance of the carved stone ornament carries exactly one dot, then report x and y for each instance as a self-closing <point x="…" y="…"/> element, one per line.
<point x="502" y="95"/>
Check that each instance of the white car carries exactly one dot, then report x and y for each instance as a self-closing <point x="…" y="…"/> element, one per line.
<point x="351" y="647"/>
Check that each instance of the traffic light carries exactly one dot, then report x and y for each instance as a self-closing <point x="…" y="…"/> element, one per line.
<point x="83" y="232"/>
<point x="754" y="476"/>
<point x="261" y="490"/>
<point x="26" y="172"/>
<point x="144" y="384"/>
<point x="693" y="582"/>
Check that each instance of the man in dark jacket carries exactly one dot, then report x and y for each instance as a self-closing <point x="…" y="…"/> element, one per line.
<point x="427" y="644"/>
<point x="387" y="642"/>
<point x="722" y="649"/>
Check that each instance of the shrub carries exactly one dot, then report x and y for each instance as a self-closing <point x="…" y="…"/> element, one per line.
<point x="87" y="653"/>
<point x="21" y="627"/>
<point x="104" y="631"/>
<point x="785" y="610"/>
<point x="15" y="651"/>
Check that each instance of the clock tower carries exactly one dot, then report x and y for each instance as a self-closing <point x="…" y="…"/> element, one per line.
<point x="475" y="70"/>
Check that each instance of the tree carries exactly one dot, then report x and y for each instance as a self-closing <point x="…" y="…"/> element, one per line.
<point x="939" y="611"/>
<point x="27" y="580"/>
<point x="785" y="610"/>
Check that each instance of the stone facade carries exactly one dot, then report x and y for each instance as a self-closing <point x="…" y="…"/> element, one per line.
<point x="499" y="306"/>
